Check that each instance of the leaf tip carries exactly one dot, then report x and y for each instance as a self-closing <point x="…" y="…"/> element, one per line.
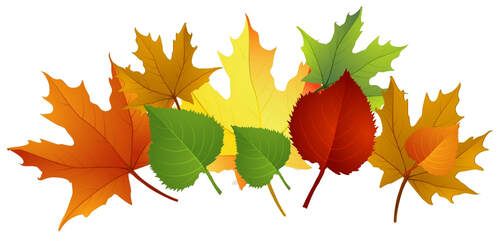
<point x="301" y="30"/>
<point x="137" y="32"/>
<point x="184" y="28"/>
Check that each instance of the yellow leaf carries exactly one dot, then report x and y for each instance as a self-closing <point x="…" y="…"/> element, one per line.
<point x="430" y="174"/>
<point x="164" y="79"/>
<point x="254" y="100"/>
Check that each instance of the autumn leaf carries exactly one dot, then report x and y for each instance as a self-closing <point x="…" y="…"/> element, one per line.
<point x="108" y="146"/>
<point x="334" y="128"/>
<point x="434" y="148"/>
<point x="164" y="80"/>
<point x="329" y="60"/>
<point x="183" y="144"/>
<point x="254" y="100"/>
<point x="261" y="153"/>
<point x="427" y="155"/>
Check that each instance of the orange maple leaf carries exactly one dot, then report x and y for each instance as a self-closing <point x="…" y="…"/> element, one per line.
<point x="108" y="146"/>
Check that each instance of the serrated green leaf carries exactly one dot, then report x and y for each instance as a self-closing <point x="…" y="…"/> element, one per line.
<point x="183" y="144"/>
<point x="260" y="154"/>
<point x="329" y="61"/>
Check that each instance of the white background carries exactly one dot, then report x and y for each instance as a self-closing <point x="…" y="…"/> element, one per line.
<point x="449" y="42"/>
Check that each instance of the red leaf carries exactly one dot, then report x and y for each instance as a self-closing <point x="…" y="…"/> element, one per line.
<point x="334" y="128"/>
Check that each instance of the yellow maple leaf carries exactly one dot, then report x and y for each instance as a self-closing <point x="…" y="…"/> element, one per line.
<point x="426" y="177"/>
<point x="164" y="80"/>
<point x="254" y="100"/>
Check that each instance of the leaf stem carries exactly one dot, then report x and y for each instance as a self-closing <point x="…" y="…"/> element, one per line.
<point x="212" y="181"/>
<point x="134" y="174"/>
<point x="397" y="203"/>
<point x="406" y="176"/>
<point x="275" y="199"/>
<point x="283" y="180"/>
<point x="312" y="190"/>
<point x="177" y="103"/>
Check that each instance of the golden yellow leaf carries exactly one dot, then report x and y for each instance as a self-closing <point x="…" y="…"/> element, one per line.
<point x="254" y="100"/>
<point x="397" y="128"/>
<point x="164" y="80"/>
<point x="390" y="154"/>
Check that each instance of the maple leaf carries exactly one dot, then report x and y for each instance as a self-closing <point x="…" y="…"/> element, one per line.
<point x="254" y="100"/>
<point x="329" y="60"/>
<point x="261" y="153"/>
<point x="164" y="80"/>
<point x="108" y="146"/>
<point x="183" y="144"/>
<point x="427" y="155"/>
<point x="334" y="128"/>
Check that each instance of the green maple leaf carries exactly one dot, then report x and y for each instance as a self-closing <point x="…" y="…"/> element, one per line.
<point x="328" y="61"/>
<point x="260" y="155"/>
<point x="183" y="144"/>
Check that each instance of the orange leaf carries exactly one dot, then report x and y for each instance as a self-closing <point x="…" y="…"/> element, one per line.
<point x="108" y="145"/>
<point x="434" y="148"/>
<point x="310" y="87"/>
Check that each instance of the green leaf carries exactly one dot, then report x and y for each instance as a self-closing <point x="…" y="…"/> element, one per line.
<point x="183" y="144"/>
<point x="329" y="61"/>
<point x="260" y="154"/>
